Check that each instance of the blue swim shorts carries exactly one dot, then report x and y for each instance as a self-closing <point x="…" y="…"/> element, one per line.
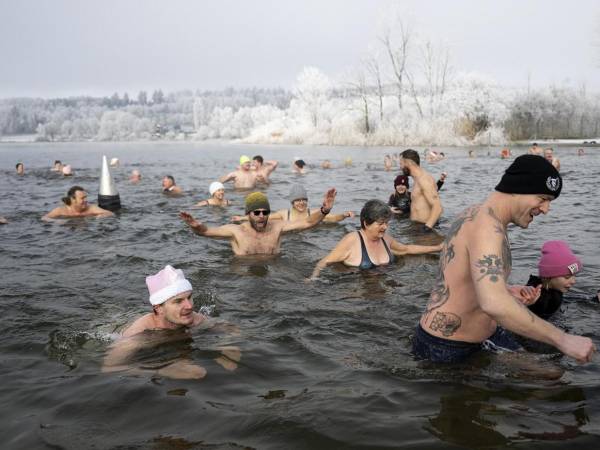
<point x="436" y="349"/>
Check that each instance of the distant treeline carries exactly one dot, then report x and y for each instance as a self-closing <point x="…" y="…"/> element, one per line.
<point x="468" y="109"/>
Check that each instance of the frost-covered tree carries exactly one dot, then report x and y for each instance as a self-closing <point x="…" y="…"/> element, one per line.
<point x="311" y="92"/>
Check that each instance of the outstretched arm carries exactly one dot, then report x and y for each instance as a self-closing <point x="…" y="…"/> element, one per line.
<point x="488" y="268"/>
<point x="222" y="232"/>
<point x="340" y="253"/>
<point x="400" y="249"/>
<point x="100" y="212"/>
<point x="228" y="177"/>
<point x="333" y="218"/>
<point x="54" y="214"/>
<point x="315" y="217"/>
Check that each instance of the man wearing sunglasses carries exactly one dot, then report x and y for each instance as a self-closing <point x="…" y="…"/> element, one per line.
<point x="258" y="236"/>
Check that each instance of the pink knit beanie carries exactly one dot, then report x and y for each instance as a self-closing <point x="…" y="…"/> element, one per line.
<point x="558" y="260"/>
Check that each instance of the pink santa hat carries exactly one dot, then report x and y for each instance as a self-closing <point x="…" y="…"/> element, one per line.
<point x="558" y="260"/>
<point x="167" y="283"/>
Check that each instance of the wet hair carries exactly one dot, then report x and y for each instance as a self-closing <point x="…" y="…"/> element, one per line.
<point x="71" y="194"/>
<point x="442" y="153"/>
<point x="18" y="164"/>
<point x="374" y="211"/>
<point x="259" y="159"/>
<point x="170" y="177"/>
<point x="412" y="155"/>
<point x="57" y="161"/>
<point x="300" y="163"/>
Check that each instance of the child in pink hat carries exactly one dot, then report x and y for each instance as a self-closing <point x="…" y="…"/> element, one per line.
<point x="557" y="268"/>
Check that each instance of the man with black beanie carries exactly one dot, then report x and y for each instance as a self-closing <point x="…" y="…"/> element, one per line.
<point x="471" y="304"/>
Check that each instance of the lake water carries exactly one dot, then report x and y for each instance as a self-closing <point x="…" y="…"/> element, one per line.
<point x="324" y="365"/>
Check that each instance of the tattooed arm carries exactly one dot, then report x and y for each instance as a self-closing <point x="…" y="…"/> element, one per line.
<point x="489" y="270"/>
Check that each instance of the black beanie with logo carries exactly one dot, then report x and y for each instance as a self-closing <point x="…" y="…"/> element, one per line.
<point x="531" y="174"/>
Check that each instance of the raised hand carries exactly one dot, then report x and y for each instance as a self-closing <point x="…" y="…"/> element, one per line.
<point x="329" y="199"/>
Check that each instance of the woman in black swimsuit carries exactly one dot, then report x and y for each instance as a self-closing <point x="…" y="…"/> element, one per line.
<point x="370" y="246"/>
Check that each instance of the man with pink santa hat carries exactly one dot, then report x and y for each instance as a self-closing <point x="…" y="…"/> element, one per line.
<point x="172" y="309"/>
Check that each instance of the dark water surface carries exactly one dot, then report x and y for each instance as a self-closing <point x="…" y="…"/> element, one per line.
<point x="324" y="365"/>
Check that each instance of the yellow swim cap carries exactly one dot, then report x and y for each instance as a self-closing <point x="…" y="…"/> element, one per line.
<point x="244" y="159"/>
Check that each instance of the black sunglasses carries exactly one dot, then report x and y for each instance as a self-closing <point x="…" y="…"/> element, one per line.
<point x="264" y="212"/>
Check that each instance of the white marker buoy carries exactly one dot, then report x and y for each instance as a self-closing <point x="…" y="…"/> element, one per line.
<point x="108" y="196"/>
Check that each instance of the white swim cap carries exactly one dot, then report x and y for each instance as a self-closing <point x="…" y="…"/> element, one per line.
<point x="215" y="186"/>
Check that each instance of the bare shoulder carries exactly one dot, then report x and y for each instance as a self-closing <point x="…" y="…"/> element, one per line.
<point x="141" y="324"/>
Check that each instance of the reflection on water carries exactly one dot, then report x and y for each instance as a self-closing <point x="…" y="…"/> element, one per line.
<point x="322" y="364"/>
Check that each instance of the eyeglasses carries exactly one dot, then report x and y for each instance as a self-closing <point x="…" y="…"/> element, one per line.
<point x="264" y="212"/>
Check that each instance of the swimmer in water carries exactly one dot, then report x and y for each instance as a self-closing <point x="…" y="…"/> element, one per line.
<point x="244" y="177"/>
<point x="263" y="169"/>
<point x="135" y="176"/>
<point x="3" y="221"/>
<point x="387" y="163"/>
<point x="536" y="150"/>
<point x="549" y="155"/>
<point x="299" y="210"/>
<point x="371" y="246"/>
<point x="217" y="196"/>
<point x="471" y="303"/>
<point x="20" y="168"/>
<point x="76" y="205"/>
<point x="505" y="153"/>
<point x="326" y="164"/>
<point x="169" y="186"/>
<point x="557" y="269"/>
<point x="57" y="167"/>
<point x="580" y="152"/>
<point x="399" y="201"/>
<point x="172" y="309"/>
<point x="299" y="166"/>
<point x="259" y="235"/>
<point x="426" y="206"/>
<point x="67" y="171"/>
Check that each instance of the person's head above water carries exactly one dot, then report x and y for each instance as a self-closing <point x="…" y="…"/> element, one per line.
<point x="20" y="168"/>
<point x="408" y="159"/>
<point x="558" y="260"/>
<point x="530" y="174"/>
<point x="558" y="265"/>
<point x="67" y="171"/>
<point x="297" y="192"/>
<point x="168" y="182"/>
<point x="215" y="187"/>
<point x="167" y="283"/>
<point x="171" y="298"/>
<point x="245" y="162"/>
<point x="299" y="163"/>
<point x="258" y="159"/>
<point x="401" y="180"/>
<point x="374" y="211"/>
<point x="258" y="210"/>
<point x="76" y="198"/>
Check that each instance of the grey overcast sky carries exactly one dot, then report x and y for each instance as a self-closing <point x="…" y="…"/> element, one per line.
<point x="97" y="47"/>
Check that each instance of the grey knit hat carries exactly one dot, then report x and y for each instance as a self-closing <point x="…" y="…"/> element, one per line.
<point x="297" y="192"/>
